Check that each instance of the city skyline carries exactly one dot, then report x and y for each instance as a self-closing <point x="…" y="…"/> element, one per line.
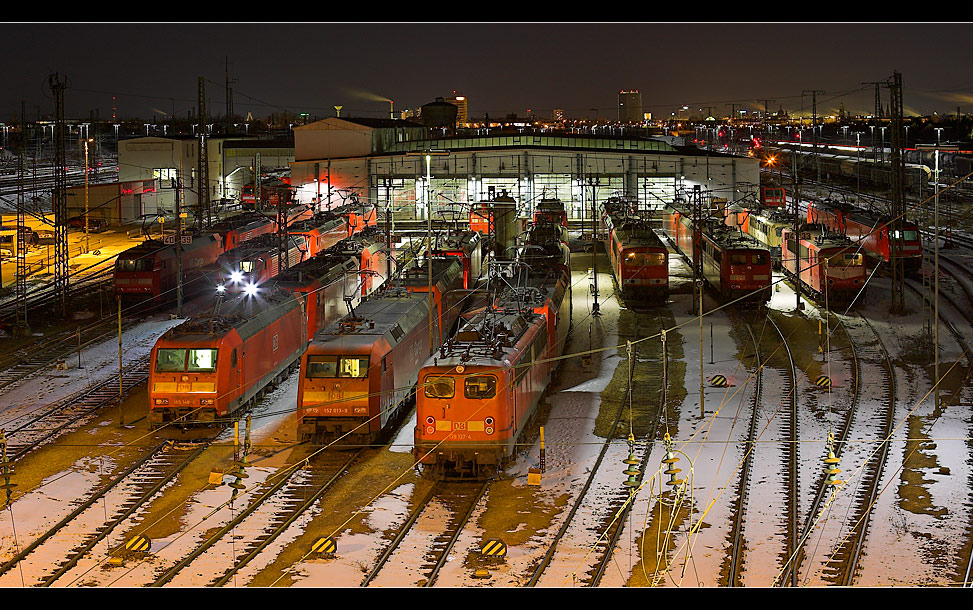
<point x="502" y="68"/>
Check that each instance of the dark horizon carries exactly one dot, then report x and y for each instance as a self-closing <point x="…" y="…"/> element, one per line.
<point x="502" y="68"/>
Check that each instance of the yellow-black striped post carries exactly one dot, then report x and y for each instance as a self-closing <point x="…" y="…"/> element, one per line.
<point x="138" y="544"/>
<point x="494" y="548"/>
<point x="823" y="382"/>
<point x="718" y="381"/>
<point x="325" y="546"/>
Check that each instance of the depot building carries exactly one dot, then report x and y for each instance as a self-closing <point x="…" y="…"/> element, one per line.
<point x="397" y="165"/>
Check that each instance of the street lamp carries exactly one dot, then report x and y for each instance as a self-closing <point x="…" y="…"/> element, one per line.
<point x="86" y="244"/>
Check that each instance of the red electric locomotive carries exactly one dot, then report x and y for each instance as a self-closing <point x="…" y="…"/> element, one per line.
<point x="734" y="264"/>
<point x="359" y="374"/>
<point x="448" y="293"/>
<point x="212" y="365"/>
<point x="150" y="269"/>
<point x="870" y="230"/>
<point x="359" y="216"/>
<point x="249" y="266"/>
<point x="320" y="232"/>
<point x="551" y="210"/>
<point x="235" y="230"/>
<point x="639" y="259"/>
<point x="831" y="267"/>
<point x="467" y="247"/>
<point x="477" y="394"/>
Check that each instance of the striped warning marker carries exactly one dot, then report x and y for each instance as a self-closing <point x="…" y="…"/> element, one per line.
<point x="718" y="381"/>
<point x="138" y="544"/>
<point x="325" y="546"/>
<point x="823" y="382"/>
<point x="494" y="548"/>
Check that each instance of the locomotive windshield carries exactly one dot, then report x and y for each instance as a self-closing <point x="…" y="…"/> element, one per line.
<point x="484" y="386"/>
<point x="335" y="366"/>
<point x="170" y="360"/>
<point x="202" y="360"/>
<point x="439" y="387"/>
<point x="643" y="259"/>
<point x="138" y="264"/>
<point x="758" y="259"/>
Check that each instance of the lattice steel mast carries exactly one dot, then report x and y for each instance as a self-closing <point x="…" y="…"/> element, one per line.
<point x="59" y="203"/>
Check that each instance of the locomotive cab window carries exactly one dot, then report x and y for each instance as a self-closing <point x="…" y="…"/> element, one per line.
<point x="202" y="360"/>
<point x="484" y="386"/>
<point x="738" y="258"/>
<point x="168" y="360"/>
<point x="758" y="259"/>
<point x="353" y="366"/>
<point x="439" y="387"/>
<point x="322" y="366"/>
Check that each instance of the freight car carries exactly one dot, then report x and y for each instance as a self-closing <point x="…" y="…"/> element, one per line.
<point x="872" y="231"/>
<point x="358" y="376"/>
<point x="639" y="259"/>
<point x="828" y="265"/>
<point x="212" y="365"/>
<point x="734" y="264"/>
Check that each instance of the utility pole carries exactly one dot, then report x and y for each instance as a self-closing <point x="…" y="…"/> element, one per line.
<point x="22" y="327"/>
<point x="229" y="99"/>
<point x="202" y="170"/>
<point x="595" y="308"/>
<point x="697" y="250"/>
<point x="178" y="242"/>
<point x="59" y="197"/>
<point x="797" y="225"/>
<point x="898" y="196"/>
<point x="814" y="121"/>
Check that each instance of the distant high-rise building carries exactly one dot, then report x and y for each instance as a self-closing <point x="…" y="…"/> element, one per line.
<point x="558" y="114"/>
<point x="462" y="117"/>
<point x="629" y="106"/>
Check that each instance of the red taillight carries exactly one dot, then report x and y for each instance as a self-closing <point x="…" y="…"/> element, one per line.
<point x="488" y="421"/>
<point x="431" y="420"/>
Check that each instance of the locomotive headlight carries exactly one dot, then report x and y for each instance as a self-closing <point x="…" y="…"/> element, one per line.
<point x="161" y="401"/>
<point x="236" y="277"/>
<point x="206" y="401"/>
<point x="430" y="430"/>
<point x="221" y="288"/>
<point x="488" y="430"/>
<point x="250" y="290"/>
<point x="488" y="421"/>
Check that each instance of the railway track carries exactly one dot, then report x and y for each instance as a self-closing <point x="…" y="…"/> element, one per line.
<point x="620" y="502"/>
<point x="130" y="491"/>
<point x="30" y="432"/>
<point x="288" y="495"/>
<point x="460" y="499"/>
<point x="872" y="361"/>
<point x="734" y="568"/>
<point x="791" y="460"/>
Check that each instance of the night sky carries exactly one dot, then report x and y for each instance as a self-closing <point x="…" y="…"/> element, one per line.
<point x="503" y="68"/>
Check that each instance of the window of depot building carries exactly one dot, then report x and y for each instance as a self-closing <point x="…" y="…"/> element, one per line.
<point x="164" y="174"/>
<point x="202" y="360"/>
<point x="169" y="360"/>
<point x="481" y="386"/>
<point x="439" y="387"/>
